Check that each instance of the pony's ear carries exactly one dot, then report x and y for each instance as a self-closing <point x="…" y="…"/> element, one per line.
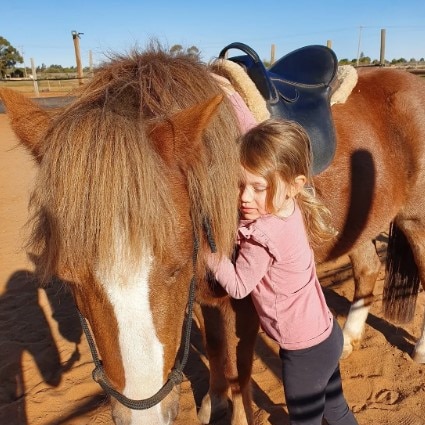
<point x="28" y="120"/>
<point x="177" y="139"/>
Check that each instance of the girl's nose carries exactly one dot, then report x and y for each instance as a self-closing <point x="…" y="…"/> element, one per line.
<point x="246" y="195"/>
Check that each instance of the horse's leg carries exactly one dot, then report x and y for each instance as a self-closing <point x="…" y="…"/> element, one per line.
<point x="230" y="331"/>
<point x="241" y="352"/>
<point x="419" y="351"/>
<point x="366" y="265"/>
<point x="215" y="402"/>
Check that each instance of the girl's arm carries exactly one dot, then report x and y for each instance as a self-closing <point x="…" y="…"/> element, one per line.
<point x="251" y="265"/>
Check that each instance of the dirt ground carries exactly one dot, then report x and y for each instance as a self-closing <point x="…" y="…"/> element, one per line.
<point x="45" y="365"/>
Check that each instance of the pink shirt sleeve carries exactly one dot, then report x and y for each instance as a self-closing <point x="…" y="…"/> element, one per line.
<point x="245" y="117"/>
<point x="239" y="280"/>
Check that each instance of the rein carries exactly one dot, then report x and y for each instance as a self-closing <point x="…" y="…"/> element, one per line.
<point x="175" y="377"/>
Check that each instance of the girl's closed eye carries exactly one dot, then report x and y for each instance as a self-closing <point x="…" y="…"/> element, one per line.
<point x="255" y="188"/>
<point x="259" y="189"/>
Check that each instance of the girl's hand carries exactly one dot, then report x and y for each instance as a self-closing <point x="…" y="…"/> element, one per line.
<point x="212" y="259"/>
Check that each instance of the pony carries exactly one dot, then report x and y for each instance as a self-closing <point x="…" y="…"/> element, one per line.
<point x="138" y="179"/>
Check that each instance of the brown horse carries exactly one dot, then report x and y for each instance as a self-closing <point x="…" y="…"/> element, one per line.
<point x="128" y="174"/>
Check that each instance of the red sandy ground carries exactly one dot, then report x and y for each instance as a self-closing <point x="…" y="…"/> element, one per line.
<point x="45" y="366"/>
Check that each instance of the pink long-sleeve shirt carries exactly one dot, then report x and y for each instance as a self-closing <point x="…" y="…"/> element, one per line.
<point x="276" y="266"/>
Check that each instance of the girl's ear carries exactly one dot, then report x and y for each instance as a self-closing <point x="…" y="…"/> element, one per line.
<point x="299" y="183"/>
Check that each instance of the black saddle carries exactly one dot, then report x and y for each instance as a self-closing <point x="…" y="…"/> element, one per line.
<point x="298" y="87"/>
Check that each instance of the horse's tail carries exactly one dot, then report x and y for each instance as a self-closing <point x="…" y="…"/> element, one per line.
<point x="402" y="280"/>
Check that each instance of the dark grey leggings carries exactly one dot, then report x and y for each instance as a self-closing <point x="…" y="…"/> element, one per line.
<point x="312" y="383"/>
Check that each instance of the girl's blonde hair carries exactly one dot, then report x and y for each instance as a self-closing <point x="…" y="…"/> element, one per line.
<point x="279" y="149"/>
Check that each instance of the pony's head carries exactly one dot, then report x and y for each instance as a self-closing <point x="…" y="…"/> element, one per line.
<point x="128" y="172"/>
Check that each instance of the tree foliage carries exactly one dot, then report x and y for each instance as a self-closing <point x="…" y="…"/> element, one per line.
<point x="193" y="50"/>
<point x="9" y="56"/>
<point x="178" y="49"/>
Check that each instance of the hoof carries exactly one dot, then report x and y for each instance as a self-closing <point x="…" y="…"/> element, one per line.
<point x="347" y="349"/>
<point x="418" y="357"/>
<point x="351" y="343"/>
<point x="346" y="352"/>
<point x="212" y="409"/>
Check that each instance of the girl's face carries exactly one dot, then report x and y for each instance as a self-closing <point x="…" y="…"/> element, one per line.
<point x="253" y="193"/>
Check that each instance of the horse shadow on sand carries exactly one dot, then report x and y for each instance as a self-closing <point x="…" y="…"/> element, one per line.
<point x="24" y="328"/>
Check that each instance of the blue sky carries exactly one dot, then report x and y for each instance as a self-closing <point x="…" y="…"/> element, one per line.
<point x="42" y="30"/>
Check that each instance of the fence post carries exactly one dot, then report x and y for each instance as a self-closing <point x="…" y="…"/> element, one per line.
<point x="76" y="38"/>
<point x="382" y="55"/>
<point x="34" y="77"/>
<point x="272" y="54"/>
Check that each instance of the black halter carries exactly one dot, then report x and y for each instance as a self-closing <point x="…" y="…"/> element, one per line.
<point x="176" y="375"/>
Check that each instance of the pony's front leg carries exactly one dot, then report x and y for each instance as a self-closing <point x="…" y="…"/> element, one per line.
<point x="366" y="265"/>
<point x="241" y="337"/>
<point x="230" y="333"/>
<point x="215" y="402"/>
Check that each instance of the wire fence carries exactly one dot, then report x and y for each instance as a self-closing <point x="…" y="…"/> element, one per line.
<point x="46" y="84"/>
<point x="56" y="84"/>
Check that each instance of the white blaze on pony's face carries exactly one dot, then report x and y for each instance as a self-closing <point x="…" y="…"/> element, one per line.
<point x="142" y="353"/>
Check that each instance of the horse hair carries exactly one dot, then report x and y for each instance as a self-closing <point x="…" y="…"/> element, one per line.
<point x="399" y="295"/>
<point x="102" y="185"/>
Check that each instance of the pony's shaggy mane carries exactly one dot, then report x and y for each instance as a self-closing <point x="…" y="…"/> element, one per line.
<point x="103" y="192"/>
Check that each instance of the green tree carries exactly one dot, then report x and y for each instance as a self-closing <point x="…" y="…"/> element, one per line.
<point x="398" y="61"/>
<point x="9" y="56"/>
<point x="176" y="49"/>
<point x="193" y="51"/>
<point x="344" y="61"/>
<point x="55" y="68"/>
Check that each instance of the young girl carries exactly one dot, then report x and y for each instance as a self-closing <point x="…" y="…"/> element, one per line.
<point x="280" y="221"/>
